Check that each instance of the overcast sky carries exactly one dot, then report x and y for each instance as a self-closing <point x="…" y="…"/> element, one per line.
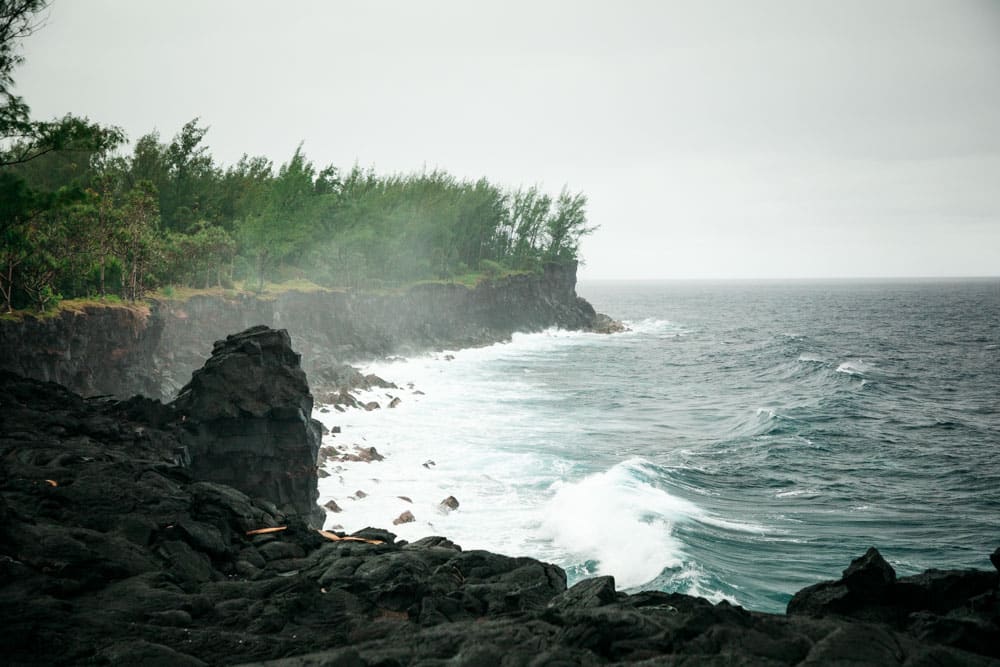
<point x="714" y="139"/>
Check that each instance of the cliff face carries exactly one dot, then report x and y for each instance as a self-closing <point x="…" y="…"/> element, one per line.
<point x="121" y="351"/>
<point x="94" y="350"/>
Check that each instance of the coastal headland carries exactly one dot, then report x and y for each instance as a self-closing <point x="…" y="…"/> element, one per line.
<point x="134" y="531"/>
<point x="153" y="347"/>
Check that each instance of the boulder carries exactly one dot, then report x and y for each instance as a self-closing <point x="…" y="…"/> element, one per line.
<point x="448" y="504"/>
<point x="405" y="517"/>
<point x="603" y="324"/>
<point x="588" y="593"/>
<point x="870" y="575"/>
<point x="247" y="418"/>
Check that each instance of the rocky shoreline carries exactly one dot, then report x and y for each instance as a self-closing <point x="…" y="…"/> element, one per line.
<point x="125" y="539"/>
<point x="152" y="349"/>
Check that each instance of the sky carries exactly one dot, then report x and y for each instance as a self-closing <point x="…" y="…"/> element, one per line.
<point x="713" y="139"/>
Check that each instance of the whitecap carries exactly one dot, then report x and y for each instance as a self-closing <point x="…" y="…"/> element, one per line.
<point x="793" y="493"/>
<point x="855" y="367"/>
<point x="650" y="325"/>
<point x="619" y="520"/>
<point x="811" y="358"/>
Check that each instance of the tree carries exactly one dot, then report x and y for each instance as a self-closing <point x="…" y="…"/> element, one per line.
<point x="565" y="226"/>
<point x="38" y="239"/>
<point x="137" y="244"/>
<point x="22" y="139"/>
<point x="281" y="228"/>
<point x="18" y="19"/>
<point x="244" y="188"/>
<point x="19" y="205"/>
<point x="190" y="191"/>
<point x="206" y="253"/>
<point x="106" y="225"/>
<point x="30" y="140"/>
<point x="528" y="212"/>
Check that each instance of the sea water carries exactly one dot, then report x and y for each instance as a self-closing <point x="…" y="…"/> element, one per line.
<point x="741" y="441"/>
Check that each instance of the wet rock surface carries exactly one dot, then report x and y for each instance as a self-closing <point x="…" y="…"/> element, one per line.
<point x="114" y="551"/>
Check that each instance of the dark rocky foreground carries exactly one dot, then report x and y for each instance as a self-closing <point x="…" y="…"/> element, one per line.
<point x="119" y="545"/>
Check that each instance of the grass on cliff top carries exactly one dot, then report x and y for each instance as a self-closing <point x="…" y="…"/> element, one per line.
<point x="179" y="293"/>
<point x="80" y="306"/>
<point x="469" y="279"/>
<point x="271" y="290"/>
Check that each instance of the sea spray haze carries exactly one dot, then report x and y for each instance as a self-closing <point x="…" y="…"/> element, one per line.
<point x="743" y="440"/>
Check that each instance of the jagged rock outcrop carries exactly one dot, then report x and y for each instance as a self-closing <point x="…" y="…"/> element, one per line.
<point x="957" y="607"/>
<point x="112" y="552"/>
<point x="247" y="421"/>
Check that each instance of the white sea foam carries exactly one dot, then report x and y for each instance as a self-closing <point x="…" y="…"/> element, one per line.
<point x="854" y="367"/>
<point x="793" y="493"/>
<point x="653" y="325"/>
<point x="519" y="469"/>
<point x="811" y="358"/>
<point x="470" y="422"/>
<point x="620" y="521"/>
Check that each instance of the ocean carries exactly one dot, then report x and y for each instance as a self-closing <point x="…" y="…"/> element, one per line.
<point x="742" y="441"/>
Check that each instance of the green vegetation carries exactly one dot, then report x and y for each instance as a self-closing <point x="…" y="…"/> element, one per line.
<point x="81" y="218"/>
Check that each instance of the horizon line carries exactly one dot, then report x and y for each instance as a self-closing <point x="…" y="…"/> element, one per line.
<point x="792" y="278"/>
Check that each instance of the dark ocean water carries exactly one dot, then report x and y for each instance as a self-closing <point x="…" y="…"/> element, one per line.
<point x="836" y="415"/>
<point x="743" y="441"/>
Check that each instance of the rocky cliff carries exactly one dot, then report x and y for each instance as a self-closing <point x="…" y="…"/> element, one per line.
<point x="153" y="350"/>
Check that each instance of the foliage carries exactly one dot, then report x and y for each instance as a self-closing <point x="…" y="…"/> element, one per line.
<point x="78" y="219"/>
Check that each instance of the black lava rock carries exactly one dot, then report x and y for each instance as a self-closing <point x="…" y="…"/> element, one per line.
<point x="113" y="552"/>
<point x="248" y="421"/>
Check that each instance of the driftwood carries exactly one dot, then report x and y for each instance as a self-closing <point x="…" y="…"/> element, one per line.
<point x="264" y="531"/>
<point x="333" y="537"/>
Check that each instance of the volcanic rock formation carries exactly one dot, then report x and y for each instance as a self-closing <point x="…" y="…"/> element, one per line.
<point x="247" y="422"/>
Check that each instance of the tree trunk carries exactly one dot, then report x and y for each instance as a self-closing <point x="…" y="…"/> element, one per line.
<point x="8" y="291"/>
<point x="261" y="259"/>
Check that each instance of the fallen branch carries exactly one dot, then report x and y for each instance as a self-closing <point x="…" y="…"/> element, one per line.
<point x="333" y="537"/>
<point x="264" y="531"/>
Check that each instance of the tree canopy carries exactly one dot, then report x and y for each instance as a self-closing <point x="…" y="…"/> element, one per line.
<point x="81" y="217"/>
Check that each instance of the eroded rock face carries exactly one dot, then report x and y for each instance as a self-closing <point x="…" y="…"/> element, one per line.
<point x="247" y="421"/>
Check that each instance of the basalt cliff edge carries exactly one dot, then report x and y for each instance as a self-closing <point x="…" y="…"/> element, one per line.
<point x="153" y="349"/>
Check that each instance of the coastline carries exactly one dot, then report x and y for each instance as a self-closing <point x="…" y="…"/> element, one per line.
<point x="120" y="351"/>
<point x="117" y="550"/>
<point x="114" y="553"/>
